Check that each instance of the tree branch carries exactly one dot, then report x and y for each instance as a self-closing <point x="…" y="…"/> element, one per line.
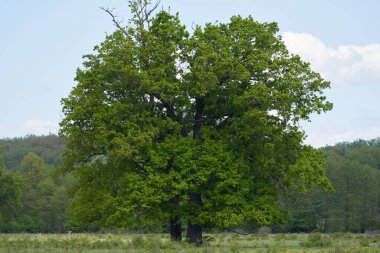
<point x="117" y="23"/>
<point x="147" y="13"/>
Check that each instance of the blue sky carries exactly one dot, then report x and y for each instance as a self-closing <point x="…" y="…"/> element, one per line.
<point x="42" y="43"/>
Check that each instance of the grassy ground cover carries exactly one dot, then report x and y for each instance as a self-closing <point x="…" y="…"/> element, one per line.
<point x="228" y="243"/>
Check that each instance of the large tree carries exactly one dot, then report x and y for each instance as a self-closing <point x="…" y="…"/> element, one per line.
<point x="200" y="126"/>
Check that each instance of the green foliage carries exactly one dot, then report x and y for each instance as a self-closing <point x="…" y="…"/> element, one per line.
<point x="10" y="197"/>
<point x="202" y="126"/>
<point x="32" y="198"/>
<point x="353" y="169"/>
<point x="43" y="201"/>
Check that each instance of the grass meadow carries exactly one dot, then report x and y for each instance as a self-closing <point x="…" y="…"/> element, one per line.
<point x="222" y="242"/>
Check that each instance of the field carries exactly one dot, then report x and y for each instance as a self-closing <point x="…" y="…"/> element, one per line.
<point x="260" y="243"/>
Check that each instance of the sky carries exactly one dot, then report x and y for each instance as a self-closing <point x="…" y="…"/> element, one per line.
<point x="42" y="43"/>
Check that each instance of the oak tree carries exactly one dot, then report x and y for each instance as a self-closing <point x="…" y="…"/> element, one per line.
<point x="199" y="127"/>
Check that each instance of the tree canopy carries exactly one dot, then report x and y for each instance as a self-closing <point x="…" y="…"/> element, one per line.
<point x="198" y="127"/>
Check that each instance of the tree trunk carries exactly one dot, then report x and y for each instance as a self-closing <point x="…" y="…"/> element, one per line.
<point x="175" y="218"/>
<point x="175" y="221"/>
<point x="194" y="234"/>
<point x="194" y="231"/>
<point x="175" y="229"/>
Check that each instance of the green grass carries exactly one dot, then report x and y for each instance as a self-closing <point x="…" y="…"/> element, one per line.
<point x="227" y="243"/>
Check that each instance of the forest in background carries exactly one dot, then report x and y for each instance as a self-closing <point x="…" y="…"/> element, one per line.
<point x="35" y="196"/>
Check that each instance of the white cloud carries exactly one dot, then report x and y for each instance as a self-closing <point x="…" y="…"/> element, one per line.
<point x="354" y="72"/>
<point x="39" y="127"/>
<point x="342" y="65"/>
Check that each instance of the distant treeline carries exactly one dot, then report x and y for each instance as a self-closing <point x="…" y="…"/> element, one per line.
<point x="354" y="171"/>
<point x="34" y="196"/>
<point x="48" y="147"/>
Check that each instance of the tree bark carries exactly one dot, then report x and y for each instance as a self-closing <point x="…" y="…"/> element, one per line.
<point x="175" y="222"/>
<point x="194" y="231"/>
<point x="175" y="217"/>
<point x="175" y="229"/>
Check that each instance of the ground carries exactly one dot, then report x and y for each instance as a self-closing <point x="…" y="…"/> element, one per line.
<point x="222" y="242"/>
